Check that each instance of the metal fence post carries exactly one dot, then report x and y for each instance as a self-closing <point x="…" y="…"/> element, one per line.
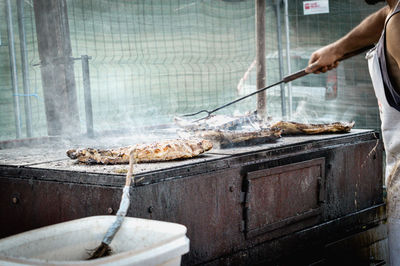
<point x="13" y="65"/>
<point x="87" y="95"/>
<point x="289" y="67"/>
<point x="25" y="70"/>
<point x="280" y="56"/>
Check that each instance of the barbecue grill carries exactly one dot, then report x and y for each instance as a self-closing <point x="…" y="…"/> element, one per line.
<point x="248" y="204"/>
<point x="289" y="201"/>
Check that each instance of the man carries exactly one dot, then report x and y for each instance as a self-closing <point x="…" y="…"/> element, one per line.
<point x="383" y="29"/>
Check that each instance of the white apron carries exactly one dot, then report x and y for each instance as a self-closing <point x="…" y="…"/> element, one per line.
<point x="390" y="119"/>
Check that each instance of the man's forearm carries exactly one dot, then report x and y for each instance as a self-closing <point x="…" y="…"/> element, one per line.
<point x="366" y="33"/>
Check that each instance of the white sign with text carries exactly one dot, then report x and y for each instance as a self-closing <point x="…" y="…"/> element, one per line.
<point x="316" y="7"/>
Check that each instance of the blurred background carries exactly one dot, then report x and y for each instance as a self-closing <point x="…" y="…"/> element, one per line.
<point x="152" y="60"/>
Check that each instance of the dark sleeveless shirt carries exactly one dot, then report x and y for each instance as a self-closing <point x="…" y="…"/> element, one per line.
<point x="392" y="96"/>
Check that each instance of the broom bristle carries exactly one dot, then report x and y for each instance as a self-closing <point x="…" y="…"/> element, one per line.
<point x="101" y="251"/>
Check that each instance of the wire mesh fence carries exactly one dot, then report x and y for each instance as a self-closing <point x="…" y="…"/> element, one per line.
<point x="7" y="108"/>
<point x="152" y="60"/>
<point x="156" y="59"/>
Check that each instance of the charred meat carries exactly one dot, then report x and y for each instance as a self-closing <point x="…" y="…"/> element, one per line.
<point x="158" y="151"/>
<point x="225" y="137"/>
<point x="292" y="128"/>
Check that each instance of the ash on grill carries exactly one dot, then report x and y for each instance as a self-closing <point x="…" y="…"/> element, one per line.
<point x="225" y="131"/>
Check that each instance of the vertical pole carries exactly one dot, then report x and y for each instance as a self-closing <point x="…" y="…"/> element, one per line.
<point x="88" y="96"/>
<point x="289" y="68"/>
<point x="260" y="57"/>
<point x="279" y="34"/>
<point x="25" y="70"/>
<point x="13" y="65"/>
<point x="57" y="69"/>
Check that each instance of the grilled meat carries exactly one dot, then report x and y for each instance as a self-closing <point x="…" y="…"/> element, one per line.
<point x="224" y="137"/>
<point x="291" y="128"/>
<point x="159" y="151"/>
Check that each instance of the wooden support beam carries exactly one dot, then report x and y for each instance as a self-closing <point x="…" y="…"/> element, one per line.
<point x="57" y="68"/>
<point x="260" y="57"/>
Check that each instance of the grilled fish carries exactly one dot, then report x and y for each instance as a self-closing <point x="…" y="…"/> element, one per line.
<point x="291" y="128"/>
<point x="224" y="137"/>
<point x="158" y="151"/>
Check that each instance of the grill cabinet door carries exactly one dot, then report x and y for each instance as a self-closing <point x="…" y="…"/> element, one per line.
<point x="287" y="197"/>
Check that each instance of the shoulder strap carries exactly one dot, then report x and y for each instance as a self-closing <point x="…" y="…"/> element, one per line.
<point x="395" y="11"/>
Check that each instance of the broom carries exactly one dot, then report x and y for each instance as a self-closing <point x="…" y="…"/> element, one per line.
<point x="104" y="249"/>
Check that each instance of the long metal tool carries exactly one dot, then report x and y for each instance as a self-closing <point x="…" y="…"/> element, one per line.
<point x="286" y="79"/>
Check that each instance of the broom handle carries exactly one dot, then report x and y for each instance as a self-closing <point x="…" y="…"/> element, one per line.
<point x="129" y="174"/>
<point x="124" y="204"/>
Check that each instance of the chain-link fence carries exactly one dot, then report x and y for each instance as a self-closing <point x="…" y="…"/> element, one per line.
<point x="152" y="60"/>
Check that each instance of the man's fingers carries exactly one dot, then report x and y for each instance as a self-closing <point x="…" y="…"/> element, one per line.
<point x="313" y="58"/>
<point x="332" y="66"/>
<point x="312" y="68"/>
<point x="316" y="68"/>
<point x="312" y="63"/>
<point x="336" y="64"/>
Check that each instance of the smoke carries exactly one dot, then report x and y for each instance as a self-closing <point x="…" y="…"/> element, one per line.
<point x="130" y="127"/>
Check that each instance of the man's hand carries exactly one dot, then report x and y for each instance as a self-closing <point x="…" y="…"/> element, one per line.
<point x="323" y="59"/>
<point x="366" y="33"/>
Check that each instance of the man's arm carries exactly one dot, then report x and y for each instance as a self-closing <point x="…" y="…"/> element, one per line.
<point x="366" y="33"/>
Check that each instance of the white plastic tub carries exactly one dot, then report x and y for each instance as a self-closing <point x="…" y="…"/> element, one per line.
<point x="138" y="242"/>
